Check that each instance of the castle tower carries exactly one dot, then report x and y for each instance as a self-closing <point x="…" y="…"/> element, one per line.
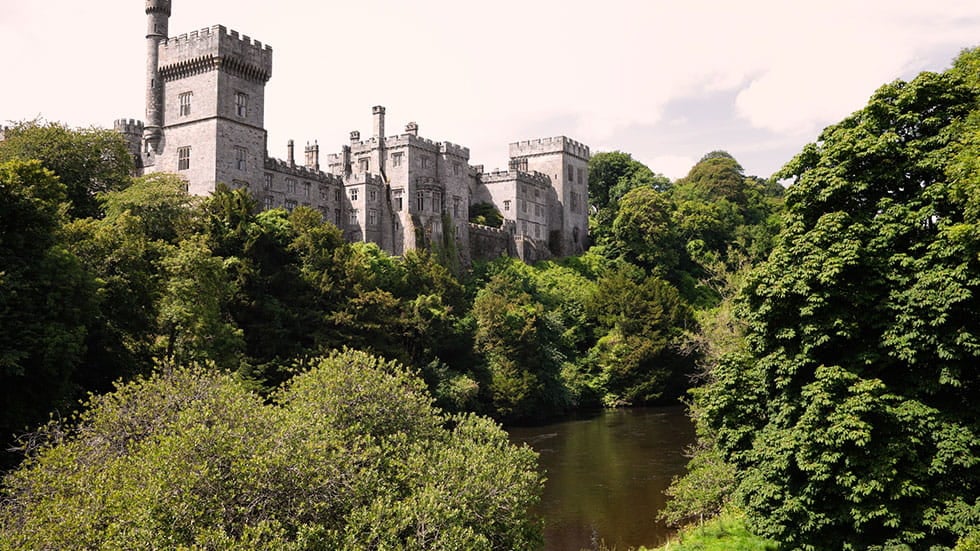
<point x="566" y="162"/>
<point x="213" y="108"/>
<point x="157" y="19"/>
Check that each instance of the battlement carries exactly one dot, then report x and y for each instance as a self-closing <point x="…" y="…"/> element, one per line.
<point x="128" y="126"/>
<point x="306" y="173"/>
<point x="545" y="146"/>
<point x="213" y="48"/>
<point x="448" y="148"/>
<point x="529" y="177"/>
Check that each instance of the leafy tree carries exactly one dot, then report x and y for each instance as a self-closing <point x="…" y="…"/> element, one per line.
<point x="486" y="214"/>
<point x="855" y="424"/>
<point x="349" y="455"/>
<point x="638" y="351"/>
<point x="643" y="230"/>
<point x="611" y="176"/>
<point x="46" y="299"/>
<point x="88" y="161"/>
<point x="520" y="344"/>
<point x="161" y="203"/>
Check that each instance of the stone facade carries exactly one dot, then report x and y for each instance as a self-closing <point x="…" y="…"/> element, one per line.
<point x="205" y="98"/>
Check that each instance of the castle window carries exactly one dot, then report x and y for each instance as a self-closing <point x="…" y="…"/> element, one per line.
<point x="365" y="164"/>
<point x="241" y="154"/>
<point x="323" y="192"/>
<point x="267" y="184"/>
<point x="456" y="169"/>
<point x="336" y="198"/>
<point x="373" y="195"/>
<point x="241" y="104"/>
<point x="436" y="202"/>
<point x="290" y="205"/>
<point x="268" y="202"/>
<point x="183" y="158"/>
<point x="537" y="230"/>
<point x="456" y="202"/>
<point x="185" y="104"/>
<point x="423" y="161"/>
<point x="581" y="176"/>
<point x="396" y="159"/>
<point x="571" y="174"/>
<point x="373" y="217"/>
<point x="574" y="202"/>
<point x="306" y="190"/>
<point x="336" y="217"/>
<point x="396" y="196"/>
<point x="353" y="217"/>
<point x="353" y="194"/>
<point x="507" y="205"/>
<point x="523" y="206"/>
<point x="290" y="185"/>
<point x="420" y="201"/>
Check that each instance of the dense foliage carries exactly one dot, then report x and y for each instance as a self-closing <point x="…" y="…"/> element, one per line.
<point x="853" y="423"/>
<point x="350" y="454"/>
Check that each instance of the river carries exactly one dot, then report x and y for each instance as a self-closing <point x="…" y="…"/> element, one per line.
<point x="606" y="475"/>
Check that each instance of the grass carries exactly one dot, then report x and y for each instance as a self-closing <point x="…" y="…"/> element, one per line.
<point x="724" y="533"/>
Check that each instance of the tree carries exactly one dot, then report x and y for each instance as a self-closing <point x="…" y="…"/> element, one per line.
<point x="88" y="161"/>
<point x="642" y="231"/>
<point x="854" y="424"/>
<point x="349" y="455"/>
<point x="46" y="299"/>
<point x="611" y="176"/>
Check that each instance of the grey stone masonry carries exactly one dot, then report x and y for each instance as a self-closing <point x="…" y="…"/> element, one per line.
<point x="205" y="121"/>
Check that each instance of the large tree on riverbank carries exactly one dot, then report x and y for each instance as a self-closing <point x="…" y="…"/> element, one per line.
<point x="855" y="423"/>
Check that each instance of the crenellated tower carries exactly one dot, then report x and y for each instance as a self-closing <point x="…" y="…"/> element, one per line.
<point x="157" y="23"/>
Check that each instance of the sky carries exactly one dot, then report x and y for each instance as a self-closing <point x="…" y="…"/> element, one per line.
<point x="666" y="81"/>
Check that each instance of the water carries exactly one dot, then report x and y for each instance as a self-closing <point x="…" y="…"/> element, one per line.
<point x="606" y="476"/>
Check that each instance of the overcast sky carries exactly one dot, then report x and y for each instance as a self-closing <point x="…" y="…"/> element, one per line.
<point x="666" y="81"/>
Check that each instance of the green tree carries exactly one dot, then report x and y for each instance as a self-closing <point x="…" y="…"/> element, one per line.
<point x="88" y="161"/>
<point x="349" y="455"/>
<point x="46" y="299"/>
<point x="643" y="231"/>
<point x="611" y="176"/>
<point x="855" y="424"/>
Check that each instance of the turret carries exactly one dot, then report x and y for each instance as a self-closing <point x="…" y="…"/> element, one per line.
<point x="157" y="19"/>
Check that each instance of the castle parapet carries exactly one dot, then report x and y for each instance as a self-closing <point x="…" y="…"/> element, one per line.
<point x="529" y="177"/>
<point x="212" y="48"/>
<point x="448" y="148"/>
<point x="544" y="146"/>
<point x="128" y="126"/>
<point x="300" y="171"/>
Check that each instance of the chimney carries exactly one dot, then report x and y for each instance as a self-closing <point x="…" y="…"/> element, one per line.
<point x="355" y="136"/>
<point x="316" y="156"/>
<point x="379" y="121"/>
<point x="345" y="157"/>
<point x="289" y="153"/>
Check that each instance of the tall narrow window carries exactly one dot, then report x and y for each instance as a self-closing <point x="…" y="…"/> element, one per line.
<point x="373" y="195"/>
<point x="396" y="159"/>
<point x="353" y="217"/>
<point x="336" y="217"/>
<point x="323" y="192"/>
<point x="397" y="196"/>
<point x="571" y="174"/>
<point x="365" y="164"/>
<point x="241" y="104"/>
<point x="290" y="204"/>
<point x="420" y="201"/>
<point x="268" y="181"/>
<point x="306" y="190"/>
<point x="290" y="185"/>
<point x="456" y="201"/>
<point x="373" y="217"/>
<point x="353" y="194"/>
<point x="336" y="198"/>
<point x="268" y="202"/>
<point x="183" y="158"/>
<point x="506" y="205"/>
<point x="241" y="154"/>
<point x="185" y="104"/>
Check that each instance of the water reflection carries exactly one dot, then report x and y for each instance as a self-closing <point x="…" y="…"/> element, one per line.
<point x="606" y="475"/>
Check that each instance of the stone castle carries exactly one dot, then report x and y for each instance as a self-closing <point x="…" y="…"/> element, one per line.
<point x="205" y="93"/>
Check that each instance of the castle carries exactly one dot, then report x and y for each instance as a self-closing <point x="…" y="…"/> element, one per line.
<point x="205" y="93"/>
